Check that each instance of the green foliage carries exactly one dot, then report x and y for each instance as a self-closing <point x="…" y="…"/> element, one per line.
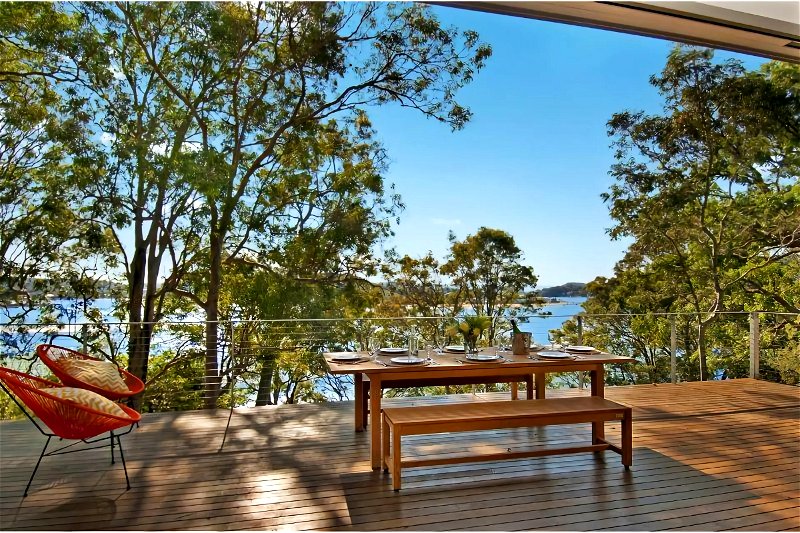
<point x="567" y="289"/>
<point x="9" y="410"/>
<point x="45" y="238"/>
<point x="781" y="351"/>
<point x="470" y="327"/>
<point x="296" y="376"/>
<point x="221" y="132"/>
<point x="416" y="287"/>
<point x="488" y="273"/>
<point x="708" y="191"/>
<point x="176" y="383"/>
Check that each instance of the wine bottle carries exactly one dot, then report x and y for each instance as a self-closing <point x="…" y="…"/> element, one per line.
<point x="514" y="326"/>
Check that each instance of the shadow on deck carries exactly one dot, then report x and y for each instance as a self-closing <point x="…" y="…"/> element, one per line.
<point x="707" y="456"/>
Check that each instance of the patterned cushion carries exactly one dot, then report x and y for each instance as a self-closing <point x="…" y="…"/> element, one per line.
<point x="101" y="374"/>
<point x="87" y="398"/>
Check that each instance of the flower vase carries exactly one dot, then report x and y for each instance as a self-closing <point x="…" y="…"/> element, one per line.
<point x="470" y="346"/>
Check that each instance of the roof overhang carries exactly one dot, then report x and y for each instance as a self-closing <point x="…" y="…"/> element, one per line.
<point x="768" y="29"/>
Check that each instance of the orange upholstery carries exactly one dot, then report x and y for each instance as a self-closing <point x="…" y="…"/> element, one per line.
<point x="65" y="418"/>
<point x="55" y="357"/>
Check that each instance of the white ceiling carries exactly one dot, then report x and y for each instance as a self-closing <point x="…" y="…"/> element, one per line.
<point x="787" y="11"/>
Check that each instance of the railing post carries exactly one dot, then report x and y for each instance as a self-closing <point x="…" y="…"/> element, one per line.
<point x="755" y="345"/>
<point x="580" y="329"/>
<point x="673" y="348"/>
<point x="84" y="338"/>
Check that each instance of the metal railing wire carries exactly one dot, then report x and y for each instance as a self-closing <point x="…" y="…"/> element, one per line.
<point x="262" y="362"/>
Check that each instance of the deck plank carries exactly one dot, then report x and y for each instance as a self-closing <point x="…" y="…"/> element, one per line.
<point x="707" y="456"/>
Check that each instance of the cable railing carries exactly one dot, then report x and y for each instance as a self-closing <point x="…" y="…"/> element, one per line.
<point x="263" y="362"/>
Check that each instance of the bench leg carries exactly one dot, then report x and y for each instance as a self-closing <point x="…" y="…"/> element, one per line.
<point x="598" y="389"/>
<point x="627" y="439"/>
<point x="375" y="421"/>
<point x="385" y="446"/>
<point x="598" y="432"/>
<point x="396" y="459"/>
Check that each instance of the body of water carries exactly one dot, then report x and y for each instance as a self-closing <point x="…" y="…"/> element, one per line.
<point x="560" y="312"/>
<point x="71" y="313"/>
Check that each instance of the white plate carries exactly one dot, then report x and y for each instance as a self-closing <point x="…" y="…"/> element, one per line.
<point x="483" y="357"/>
<point x="554" y="355"/>
<point x="393" y="350"/>
<point x="456" y="349"/>
<point x="580" y="348"/>
<point x="346" y="357"/>
<point x="536" y="347"/>
<point x="407" y="360"/>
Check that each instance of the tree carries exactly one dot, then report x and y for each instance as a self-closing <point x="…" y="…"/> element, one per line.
<point x="625" y="316"/>
<point x="135" y="196"/>
<point x="709" y="190"/>
<point x="487" y="272"/>
<point x="215" y="120"/>
<point x="284" y="354"/>
<point x="272" y="75"/>
<point x="45" y="157"/>
<point x="420" y="289"/>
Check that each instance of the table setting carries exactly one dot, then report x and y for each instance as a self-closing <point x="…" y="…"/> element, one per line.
<point x="349" y="358"/>
<point x="564" y="352"/>
<point x="399" y="356"/>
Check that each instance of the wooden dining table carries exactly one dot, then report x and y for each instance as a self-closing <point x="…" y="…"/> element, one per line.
<point x="448" y="368"/>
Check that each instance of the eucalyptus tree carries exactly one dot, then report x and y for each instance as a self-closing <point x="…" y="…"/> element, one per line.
<point x="46" y="157"/>
<point x="206" y="114"/>
<point x="127" y="188"/>
<point x="487" y="271"/>
<point x="263" y="83"/>
<point x="420" y="288"/>
<point x="709" y="189"/>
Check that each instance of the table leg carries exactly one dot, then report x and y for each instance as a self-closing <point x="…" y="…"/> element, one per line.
<point x="375" y="421"/>
<point x="514" y="390"/>
<point x="598" y="389"/>
<point x="365" y="403"/>
<point x="540" y="385"/>
<point x="598" y="381"/>
<point x="529" y="387"/>
<point x="360" y="400"/>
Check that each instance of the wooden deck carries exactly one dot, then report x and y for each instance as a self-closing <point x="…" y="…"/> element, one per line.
<point x="707" y="456"/>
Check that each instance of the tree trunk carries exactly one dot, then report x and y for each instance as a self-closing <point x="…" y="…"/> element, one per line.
<point x="701" y="349"/>
<point x="212" y="378"/>
<point x="264" y="393"/>
<point x="141" y="330"/>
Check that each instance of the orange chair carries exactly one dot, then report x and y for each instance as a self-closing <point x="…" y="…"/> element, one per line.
<point x="54" y="357"/>
<point x="64" y="418"/>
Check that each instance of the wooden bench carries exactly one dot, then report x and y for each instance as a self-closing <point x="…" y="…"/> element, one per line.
<point x="362" y="388"/>
<point x="449" y="418"/>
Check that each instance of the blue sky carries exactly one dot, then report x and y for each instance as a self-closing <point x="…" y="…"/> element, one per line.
<point x="534" y="159"/>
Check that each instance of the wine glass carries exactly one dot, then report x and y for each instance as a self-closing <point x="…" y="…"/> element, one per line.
<point x="429" y="351"/>
<point x="552" y="338"/>
<point x="374" y="346"/>
<point x="501" y="346"/>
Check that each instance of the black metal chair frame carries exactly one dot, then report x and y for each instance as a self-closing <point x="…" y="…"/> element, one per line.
<point x="65" y="449"/>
